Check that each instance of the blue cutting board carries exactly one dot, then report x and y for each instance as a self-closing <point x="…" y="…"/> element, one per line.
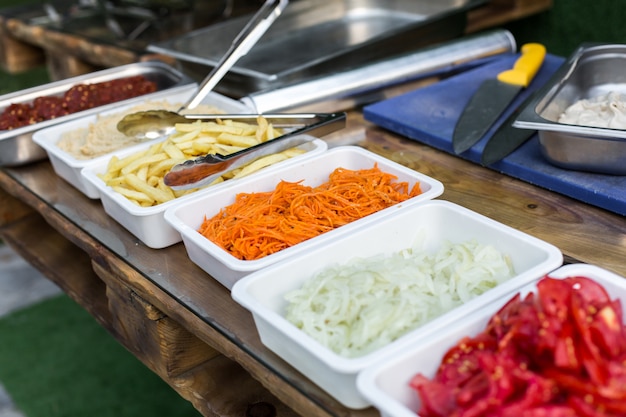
<point x="429" y="114"/>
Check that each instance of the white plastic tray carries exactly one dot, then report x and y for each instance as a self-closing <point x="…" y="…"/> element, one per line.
<point x="434" y="222"/>
<point x="69" y="167"/>
<point x="227" y="269"/>
<point x="386" y="385"/>
<point x="148" y="223"/>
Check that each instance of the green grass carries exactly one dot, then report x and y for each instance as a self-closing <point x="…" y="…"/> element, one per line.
<point x="30" y="78"/>
<point x="56" y="361"/>
<point x="572" y="22"/>
<point x="15" y="82"/>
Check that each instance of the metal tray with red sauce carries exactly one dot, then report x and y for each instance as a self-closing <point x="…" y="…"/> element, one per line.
<point x="24" y="112"/>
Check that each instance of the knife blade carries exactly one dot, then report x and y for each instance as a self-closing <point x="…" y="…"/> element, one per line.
<point x="506" y="139"/>
<point x="204" y="170"/>
<point x="494" y="96"/>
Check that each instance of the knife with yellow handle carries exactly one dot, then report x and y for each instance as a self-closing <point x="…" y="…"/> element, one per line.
<point x="494" y="96"/>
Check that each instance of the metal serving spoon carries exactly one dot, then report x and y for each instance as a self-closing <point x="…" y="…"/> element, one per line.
<point x="152" y="124"/>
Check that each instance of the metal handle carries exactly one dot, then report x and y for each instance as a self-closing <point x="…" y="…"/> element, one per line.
<point x="245" y="40"/>
<point x="203" y="170"/>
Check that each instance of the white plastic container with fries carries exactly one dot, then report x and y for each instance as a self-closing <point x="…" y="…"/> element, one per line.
<point x="139" y="176"/>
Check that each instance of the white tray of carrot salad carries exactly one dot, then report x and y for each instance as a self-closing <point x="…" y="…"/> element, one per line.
<point x="272" y="216"/>
<point x="131" y="183"/>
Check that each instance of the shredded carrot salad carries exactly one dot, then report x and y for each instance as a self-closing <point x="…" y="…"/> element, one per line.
<point x="259" y="224"/>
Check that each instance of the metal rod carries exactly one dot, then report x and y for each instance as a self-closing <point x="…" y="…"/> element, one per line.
<point x="438" y="58"/>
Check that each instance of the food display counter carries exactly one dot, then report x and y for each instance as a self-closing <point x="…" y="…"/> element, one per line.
<point x="185" y="326"/>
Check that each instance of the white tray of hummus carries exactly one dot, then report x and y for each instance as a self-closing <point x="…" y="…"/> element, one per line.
<point x="74" y="145"/>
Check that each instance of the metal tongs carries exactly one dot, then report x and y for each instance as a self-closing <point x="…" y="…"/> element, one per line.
<point x="152" y="124"/>
<point x="302" y="128"/>
<point x="245" y="40"/>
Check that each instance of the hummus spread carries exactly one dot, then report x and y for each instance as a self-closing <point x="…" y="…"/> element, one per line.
<point x="102" y="137"/>
<point x="607" y="111"/>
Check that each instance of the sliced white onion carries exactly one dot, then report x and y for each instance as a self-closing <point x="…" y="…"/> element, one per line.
<point x="360" y="306"/>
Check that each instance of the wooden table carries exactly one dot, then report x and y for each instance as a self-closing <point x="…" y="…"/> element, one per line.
<point x="185" y="327"/>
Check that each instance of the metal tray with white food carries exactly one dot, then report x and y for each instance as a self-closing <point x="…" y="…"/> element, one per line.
<point x="16" y="145"/>
<point x="317" y="37"/>
<point x="593" y="70"/>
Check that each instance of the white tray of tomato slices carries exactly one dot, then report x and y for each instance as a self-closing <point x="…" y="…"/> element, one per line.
<point x="556" y="349"/>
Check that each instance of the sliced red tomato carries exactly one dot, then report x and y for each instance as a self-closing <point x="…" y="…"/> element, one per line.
<point x="460" y="363"/>
<point x="591" y="291"/>
<point x="482" y="341"/>
<point x="516" y="323"/>
<point x="437" y="399"/>
<point x="616" y="387"/>
<point x="566" y="353"/>
<point x="601" y="332"/>
<point x="586" y="407"/>
<point x="554" y="297"/>
<point x="570" y="383"/>
<point x="606" y="330"/>
<point x="558" y="353"/>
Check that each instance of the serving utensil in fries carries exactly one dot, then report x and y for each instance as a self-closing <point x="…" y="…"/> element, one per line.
<point x="299" y="129"/>
<point x="140" y="176"/>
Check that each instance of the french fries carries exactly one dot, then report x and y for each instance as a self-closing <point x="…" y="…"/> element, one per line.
<point x="139" y="176"/>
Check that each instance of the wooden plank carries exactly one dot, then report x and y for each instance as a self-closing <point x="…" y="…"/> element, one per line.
<point x="61" y="66"/>
<point x="149" y="333"/>
<point x="216" y="386"/>
<point x="498" y="12"/>
<point x="221" y="387"/>
<point x="284" y="396"/>
<point x="68" y="55"/>
<point x="12" y="209"/>
<point x="16" y="55"/>
<point x="60" y="261"/>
